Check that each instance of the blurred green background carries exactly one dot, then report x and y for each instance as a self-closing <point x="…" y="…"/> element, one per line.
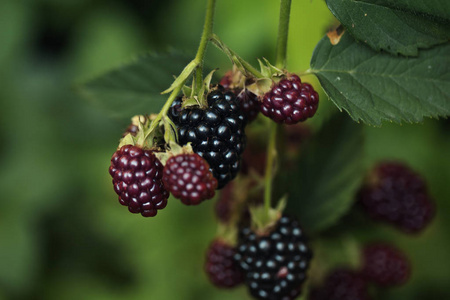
<point x="63" y="234"/>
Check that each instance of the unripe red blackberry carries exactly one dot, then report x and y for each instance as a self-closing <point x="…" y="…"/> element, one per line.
<point x="220" y="266"/>
<point x="385" y="265"/>
<point x="341" y="284"/>
<point x="275" y="264"/>
<point x="216" y="133"/>
<point x="137" y="179"/>
<point x="290" y="101"/>
<point x="397" y="195"/>
<point x="188" y="178"/>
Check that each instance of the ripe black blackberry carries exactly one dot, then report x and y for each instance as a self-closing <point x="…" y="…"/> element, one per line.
<point x="216" y="133"/>
<point x="137" y="178"/>
<point x="275" y="264"/>
<point x="290" y="101"/>
<point x="188" y="178"/>
<point x="397" y="195"/>
<point x="220" y="266"/>
<point x="249" y="103"/>
<point x="385" y="265"/>
<point x="341" y="284"/>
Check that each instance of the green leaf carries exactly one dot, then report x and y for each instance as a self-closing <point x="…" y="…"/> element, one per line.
<point x="391" y="29"/>
<point x="135" y="88"/>
<point x="373" y="86"/>
<point x="438" y="8"/>
<point x="328" y="175"/>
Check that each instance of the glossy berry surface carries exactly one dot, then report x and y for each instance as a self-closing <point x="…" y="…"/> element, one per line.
<point x="220" y="266"/>
<point x="341" y="284"/>
<point x="188" y="178"/>
<point x="216" y="133"/>
<point x="275" y="265"/>
<point x="137" y="179"/>
<point x="397" y="195"/>
<point x="249" y="104"/>
<point x="385" y="265"/>
<point x="290" y="101"/>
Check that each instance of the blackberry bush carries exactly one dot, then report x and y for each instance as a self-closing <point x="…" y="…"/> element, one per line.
<point x="313" y="170"/>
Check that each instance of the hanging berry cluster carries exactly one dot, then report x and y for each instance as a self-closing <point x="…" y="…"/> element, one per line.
<point x="197" y="144"/>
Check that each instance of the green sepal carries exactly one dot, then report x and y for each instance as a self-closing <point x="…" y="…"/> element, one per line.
<point x="187" y="71"/>
<point x="263" y="221"/>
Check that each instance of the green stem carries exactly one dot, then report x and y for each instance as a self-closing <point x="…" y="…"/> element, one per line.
<point x="271" y="154"/>
<point x="206" y="35"/>
<point x="283" y="30"/>
<point x="199" y="57"/>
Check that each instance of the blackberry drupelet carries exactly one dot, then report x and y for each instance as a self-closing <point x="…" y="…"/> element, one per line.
<point x="137" y="179"/>
<point x="188" y="178"/>
<point x="220" y="266"/>
<point x="341" y="284"/>
<point x="275" y="264"/>
<point x="385" y="265"/>
<point x="397" y="195"/>
<point x="290" y="101"/>
<point x="216" y="133"/>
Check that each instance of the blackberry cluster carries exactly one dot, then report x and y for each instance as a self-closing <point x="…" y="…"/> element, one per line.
<point x="220" y="266"/>
<point x="342" y="284"/>
<point x="385" y="265"/>
<point x="137" y="179"/>
<point x="397" y="195"/>
<point x="216" y="133"/>
<point x="275" y="265"/>
<point x="188" y="178"/>
<point x="290" y="101"/>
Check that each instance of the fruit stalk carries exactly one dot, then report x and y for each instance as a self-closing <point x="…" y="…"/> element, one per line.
<point x="198" y="61"/>
<point x="283" y="29"/>
<point x="206" y="36"/>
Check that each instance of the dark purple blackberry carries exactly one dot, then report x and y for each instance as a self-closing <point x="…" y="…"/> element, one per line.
<point x="341" y="284"/>
<point x="216" y="133"/>
<point x="137" y="178"/>
<point x="275" y="264"/>
<point x="385" y="265"/>
<point x="220" y="266"/>
<point x="249" y="103"/>
<point x="397" y="195"/>
<point x="188" y="178"/>
<point x="290" y="101"/>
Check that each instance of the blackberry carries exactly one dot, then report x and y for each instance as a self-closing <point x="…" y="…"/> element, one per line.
<point x="290" y="101"/>
<point x="137" y="179"/>
<point x="275" y="264"/>
<point x="223" y="207"/>
<point x="385" y="265"/>
<point x="341" y="284"/>
<point x="250" y="104"/>
<point x="220" y="267"/>
<point x="397" y="195"/>
<point x="188" y="178"/>
<point x="216" y="133"/>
